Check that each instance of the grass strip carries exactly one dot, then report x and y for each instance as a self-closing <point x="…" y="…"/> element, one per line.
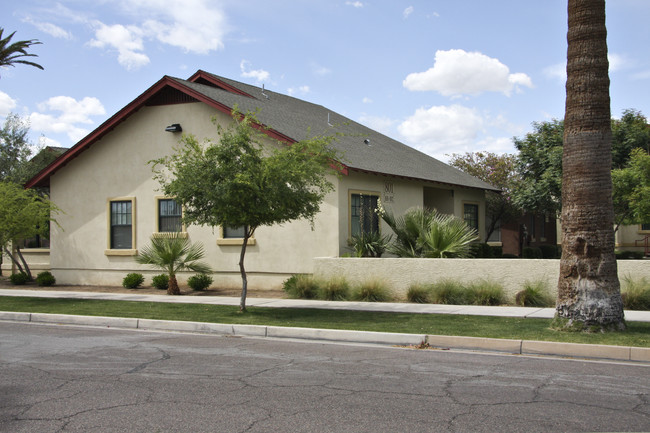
<point x="637" y="333"/>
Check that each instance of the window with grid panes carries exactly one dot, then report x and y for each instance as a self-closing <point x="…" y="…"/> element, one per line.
<point x="170" y="215"/>
<point x="363" y="215"/>
<point x="121" y="225"/>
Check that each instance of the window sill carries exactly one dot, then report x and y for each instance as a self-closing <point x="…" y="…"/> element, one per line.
<point x="35" y="250"/>
<point x="169" y="234"/>
<point x="121" y="252"/>
<point x="234" y="242"/>
<point x="495" y="243"/>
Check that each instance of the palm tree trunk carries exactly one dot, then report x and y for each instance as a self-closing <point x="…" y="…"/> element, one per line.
<point x="172" y="288"/>
<point x="588" y="287"/>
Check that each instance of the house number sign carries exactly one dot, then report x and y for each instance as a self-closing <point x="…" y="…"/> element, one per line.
<point x="388" y="192"/>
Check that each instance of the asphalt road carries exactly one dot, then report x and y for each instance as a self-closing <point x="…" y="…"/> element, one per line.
<point x="76" y="379"/>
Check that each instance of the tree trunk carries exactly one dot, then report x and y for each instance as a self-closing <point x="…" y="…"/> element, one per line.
<point x="13" y="259"/>
<point x="25" y="265"/>
<point x="242" y="270"/>
<point x="172" y="288"/>
<point x="588" y="288"/>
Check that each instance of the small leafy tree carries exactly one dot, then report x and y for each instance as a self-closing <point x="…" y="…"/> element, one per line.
<point x="12" y="53"/>
<point x="240" y="182"/>
<point x="499" y="171"/>
<point x="172" y="254"/>
<point x="23" y="214"/>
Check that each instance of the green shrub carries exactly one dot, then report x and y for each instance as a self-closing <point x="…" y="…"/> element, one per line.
<point x="19" y="279"/>
<point x="133" y="280"/>
<point x="199" y="282"/>
<point x="160" y="282"/>
<point x="371" y="291"/>
<point x="485" y="292"/>
<point x="629" y="255"/>
<point x="549" y="251"/>
<point x="497" y="252"/>
<point x="419" y="293"/>
<point x="448" y="292"/>
<point x="301" y="286"/>
<point x="636" y="293"/>
<point x="336" y="289"/>
<point x="535" y="294"/>
<point x="45" y="279"/>
<point x="481" y="251"/>
<point x="532" y="253"/>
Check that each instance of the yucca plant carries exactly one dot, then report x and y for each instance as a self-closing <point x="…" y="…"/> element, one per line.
<point x="173" y="253"/>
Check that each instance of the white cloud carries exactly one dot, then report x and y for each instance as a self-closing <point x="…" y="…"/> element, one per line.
<point x="408" y="11"/>
<point x="72" y="112"/>
<point x="457" y="72"/>
<point x="441" y="130"/>
<point x="320" y="70"/>
<point x="126" y="40"/>
<point x="50" y="29"/>
<point x="198" y="26"/>
<point x="556" y="72"/>
<point x="303" y="90"/>
<point x="366" y="100"/>
<point x="356" y="4"/>
<point x="259" y="75"/>
<point x="7" y="104"/>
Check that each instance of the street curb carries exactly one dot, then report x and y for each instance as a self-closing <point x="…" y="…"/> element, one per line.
<point x="516" y="347"/>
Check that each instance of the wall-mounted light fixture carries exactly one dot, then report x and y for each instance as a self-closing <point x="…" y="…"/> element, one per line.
<point x="176" y="127"/>
<point x="367" y="142"/>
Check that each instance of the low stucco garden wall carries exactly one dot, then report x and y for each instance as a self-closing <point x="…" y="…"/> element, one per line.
<point x="399" y="274"/>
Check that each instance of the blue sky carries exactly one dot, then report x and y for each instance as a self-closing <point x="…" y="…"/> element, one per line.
<point x="444" y="77"/>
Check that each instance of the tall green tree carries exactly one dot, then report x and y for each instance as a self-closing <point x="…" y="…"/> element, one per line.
<point x="23" y="214"/>
<point x="13" y="53"/>
<point x="588" y="286"/>
<point x="239" y="181"/>
<point x="173" y="253"/>
<point x="631" y="192"/>
<point x="14" y="149"/>
<point x="499" y="171"/>
<point x="629" y="132"/>
<point x="539" y="164"/>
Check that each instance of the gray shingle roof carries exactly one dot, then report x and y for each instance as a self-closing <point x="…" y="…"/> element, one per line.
<point x="299" y="119"/>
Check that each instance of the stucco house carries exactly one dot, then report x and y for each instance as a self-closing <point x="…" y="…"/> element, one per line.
<point x="112" y="204"/>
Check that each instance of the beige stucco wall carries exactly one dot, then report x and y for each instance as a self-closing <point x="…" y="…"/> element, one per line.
<point x="399" y="273"/>
<point x="627" y="235"/>
<point x="117" y="166"/>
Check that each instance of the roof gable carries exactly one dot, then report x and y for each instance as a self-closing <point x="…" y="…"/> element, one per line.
<point x="287" y="119"/>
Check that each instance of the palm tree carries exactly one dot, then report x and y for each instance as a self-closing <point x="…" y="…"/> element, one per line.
<point x="10" y="54"/>
<point x="173" y="253"/>
<point x="427" y="233"/>
<point x="588" y="287"/>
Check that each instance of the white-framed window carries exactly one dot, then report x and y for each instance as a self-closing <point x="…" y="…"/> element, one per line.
<point x="121" y="226"/>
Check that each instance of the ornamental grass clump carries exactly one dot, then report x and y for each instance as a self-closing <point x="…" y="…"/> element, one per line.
<point x="301" y="286"/>
<point x="419" y="293"/>
<point x="535" y="294"/>
<point x="335" y="289"/>
<point x="448" y="292"/>
<point x="485" y="292"/>
<point x="371" y="291"/>
<point x="636" y="293"/>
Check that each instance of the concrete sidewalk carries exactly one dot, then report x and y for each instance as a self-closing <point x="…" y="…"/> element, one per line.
<point x="523" y="347"/>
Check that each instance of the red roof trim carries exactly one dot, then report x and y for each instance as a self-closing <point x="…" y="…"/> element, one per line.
<point x="200" y="74"/>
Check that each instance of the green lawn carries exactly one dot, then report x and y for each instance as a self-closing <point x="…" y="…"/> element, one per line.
<point x="637" y="334"/>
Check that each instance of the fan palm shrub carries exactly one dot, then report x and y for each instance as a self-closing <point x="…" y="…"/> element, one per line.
<point x="422" y="232"/>
<point x="172" y="254"/>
